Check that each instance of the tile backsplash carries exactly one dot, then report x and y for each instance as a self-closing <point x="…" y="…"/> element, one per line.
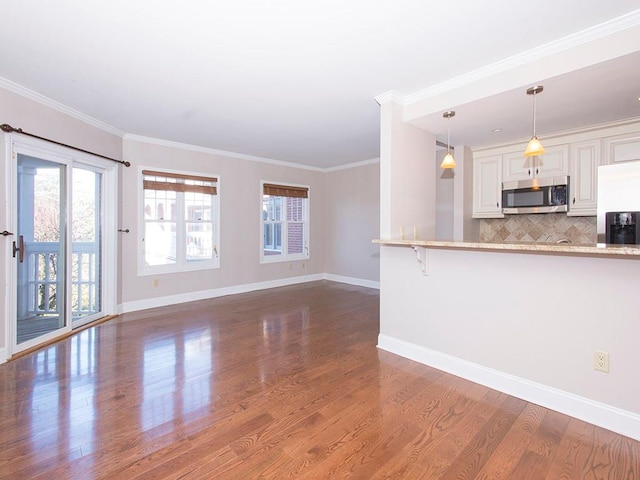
<point x="541" y="228"/>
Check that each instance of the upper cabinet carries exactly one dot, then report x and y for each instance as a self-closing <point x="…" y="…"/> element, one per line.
<point x="489" y="173"/>
<point x="577" y="155"/>
<point x="583" y="182"/>
<point x="487" y="187"/>
<point x="622" y="148"/>
<point x="555" y="162"/>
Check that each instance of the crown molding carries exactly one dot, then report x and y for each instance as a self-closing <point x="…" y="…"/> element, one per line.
<point x="347" y="166"/>
<point x="619" y="24"/>
<point x="213" y="151"/>
<point x="390" y="96"/>
<point x="243" y="156"/>
<point x="48" y="102"/>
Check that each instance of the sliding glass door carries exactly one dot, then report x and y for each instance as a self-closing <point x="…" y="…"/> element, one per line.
<point x="62" y="270"/>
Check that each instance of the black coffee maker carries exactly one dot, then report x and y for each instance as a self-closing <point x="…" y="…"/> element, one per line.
<point x="623" y="228"/>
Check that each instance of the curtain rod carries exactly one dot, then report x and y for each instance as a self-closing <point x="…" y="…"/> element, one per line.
<point x="9" y="129"/>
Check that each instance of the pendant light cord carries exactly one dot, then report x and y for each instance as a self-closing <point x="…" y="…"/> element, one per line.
<point x="534" y="114"/>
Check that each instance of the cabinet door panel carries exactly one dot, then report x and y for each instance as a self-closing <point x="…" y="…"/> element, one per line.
<point x="585" y="158"/>
<point x="487" y="187"/>
<point x="622" y="148"/>
<point x="517" y="167"/>
<point x="554" y="162"/>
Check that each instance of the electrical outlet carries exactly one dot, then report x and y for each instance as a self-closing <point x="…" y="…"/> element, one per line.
<point x="156" y="283"/>
<point x="601" y="361"/>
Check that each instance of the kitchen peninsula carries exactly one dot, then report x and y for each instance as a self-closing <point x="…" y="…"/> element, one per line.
<point x="522" y="319"/>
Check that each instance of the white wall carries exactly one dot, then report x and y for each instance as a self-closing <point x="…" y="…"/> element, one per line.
<point x="352" y="209"/>
<point x="37" y="118"/>
<point x="344" y="218"/>
<point x="526" y="324"/>
<point x="239" y="189"/>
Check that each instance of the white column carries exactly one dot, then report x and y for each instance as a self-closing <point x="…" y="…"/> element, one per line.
<point x="407" y="175"/>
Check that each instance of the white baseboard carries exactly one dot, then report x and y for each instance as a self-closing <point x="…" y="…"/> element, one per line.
<point x="352" y="281"/>
<point x="597" y="413"/>
<point x="3" y="355"/>
<point x="213" y="293"/>
<point x="232" y="290"/>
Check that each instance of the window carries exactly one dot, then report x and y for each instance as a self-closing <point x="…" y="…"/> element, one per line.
<point x="180" y="222"/>
<point x="285" y="222"/>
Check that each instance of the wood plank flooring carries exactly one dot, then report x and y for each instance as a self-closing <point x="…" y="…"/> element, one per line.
<point x="277" y="384"/>
<point x="32" y="327"/>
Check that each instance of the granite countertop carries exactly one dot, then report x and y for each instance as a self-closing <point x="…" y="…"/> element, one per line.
<point x="592" y="250"/>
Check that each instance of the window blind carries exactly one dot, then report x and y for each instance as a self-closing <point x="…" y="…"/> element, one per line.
<point x="177" y="182"/>
<point x="285" y="191"/>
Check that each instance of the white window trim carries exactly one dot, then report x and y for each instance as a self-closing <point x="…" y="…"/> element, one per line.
<point x="146" y="270"/>
<point x="307" y="215"/>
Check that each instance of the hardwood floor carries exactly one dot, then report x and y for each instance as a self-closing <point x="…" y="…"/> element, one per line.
<point x="276" y="384"/>
<point x="32" y="327"/>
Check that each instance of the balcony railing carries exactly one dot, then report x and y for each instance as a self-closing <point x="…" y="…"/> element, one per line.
<point x="40" y="279"/>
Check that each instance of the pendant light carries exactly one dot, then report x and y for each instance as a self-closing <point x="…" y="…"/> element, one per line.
<point x="448" y="161"/>
<point x="534" y="147"/>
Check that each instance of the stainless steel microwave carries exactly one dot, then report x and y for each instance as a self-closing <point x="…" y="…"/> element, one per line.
<point x="537" y="195"/>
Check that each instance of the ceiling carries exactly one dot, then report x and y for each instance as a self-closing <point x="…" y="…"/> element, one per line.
<point x="295" y="80"/>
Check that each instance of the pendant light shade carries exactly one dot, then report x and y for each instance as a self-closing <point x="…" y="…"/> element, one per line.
<point x="448" y="161"/>
<point x="534" y="146"/>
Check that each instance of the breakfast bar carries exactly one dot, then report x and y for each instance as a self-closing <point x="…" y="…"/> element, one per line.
<point x="524" y="319"/>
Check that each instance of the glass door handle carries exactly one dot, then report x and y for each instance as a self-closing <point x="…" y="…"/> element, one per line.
<point x="19" y="249"/>
<point x="5" y="233"/>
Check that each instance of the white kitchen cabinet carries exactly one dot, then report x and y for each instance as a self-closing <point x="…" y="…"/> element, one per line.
<point x="578" y="155"/>
<point x="622" y="148"/>
<point x="487" y="187"/>
<point x="583" y="182"/>
<point x="555" y="162"/>
<point x="515" y="166"/>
